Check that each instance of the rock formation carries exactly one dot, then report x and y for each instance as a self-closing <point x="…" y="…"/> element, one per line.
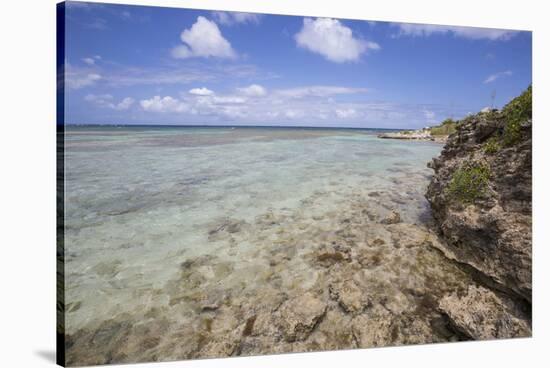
<point x="480" y="197"/>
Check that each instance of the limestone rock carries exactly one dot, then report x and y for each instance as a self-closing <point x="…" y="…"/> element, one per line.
<point x="299" y="316"/>
<point x="372" y="331"/>
<point x="480" y="196"/>
<point x="482" y="314"/>
<point x="351" y="297"/>
<point x="393" y="218"/>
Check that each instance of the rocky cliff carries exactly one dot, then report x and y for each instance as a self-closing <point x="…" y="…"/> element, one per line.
<point x="480" y="196"/>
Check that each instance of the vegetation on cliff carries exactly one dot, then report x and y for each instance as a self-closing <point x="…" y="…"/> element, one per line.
<point x="481" y="200"/>
<point x="447" y="127"/>
<point x="469" y="182"/>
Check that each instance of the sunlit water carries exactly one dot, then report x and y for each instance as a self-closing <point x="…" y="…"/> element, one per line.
<point x="154" y="216"/>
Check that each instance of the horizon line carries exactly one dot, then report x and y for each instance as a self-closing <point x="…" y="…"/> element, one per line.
<point x="228" y="126"/>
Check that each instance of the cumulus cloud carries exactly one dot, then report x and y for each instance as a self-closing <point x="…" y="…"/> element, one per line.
<point x="210" y="105"/>
<point x="494" y="77"/>
<point x="203" y="39"/>
<point x="254" y="90"/>
<point x="125" y="103"/>
<point x="254" y="103"/>
<point x="419" y="30"/>
<point x="331" y="39"/>
<point x="231" y="18"/>
<point x="278" y="106"/>
<point x="203" y="91"/>
<point x="107" y="101"/>
<point x="163" y="104"/>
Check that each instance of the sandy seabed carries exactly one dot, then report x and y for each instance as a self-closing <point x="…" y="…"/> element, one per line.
<point x="191" y="243"/>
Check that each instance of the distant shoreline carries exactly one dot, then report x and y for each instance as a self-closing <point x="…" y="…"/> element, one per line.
<point x="226" y="126"/>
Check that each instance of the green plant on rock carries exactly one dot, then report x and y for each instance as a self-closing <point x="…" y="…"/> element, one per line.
<point x="493" y="114"/>
<point x="447" y="127"/>
<point x="517" y="111"/>
<point x="492" y="146"/>
<point x="469" y="182"/>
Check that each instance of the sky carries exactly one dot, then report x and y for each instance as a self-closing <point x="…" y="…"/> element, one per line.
<point x="128" y="64"/>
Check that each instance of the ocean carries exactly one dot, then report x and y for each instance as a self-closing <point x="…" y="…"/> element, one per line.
<point x="166" y="227"/>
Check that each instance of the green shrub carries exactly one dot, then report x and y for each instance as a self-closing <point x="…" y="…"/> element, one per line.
<point x="517" y="111"/>
<point x="492" y="145"/>
<point x="470" y="182"/>
<point x="447" y="127"/>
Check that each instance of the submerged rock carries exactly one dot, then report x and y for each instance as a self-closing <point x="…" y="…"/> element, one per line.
<point x="392" y="218"/>
<point x="372" y="331"/>
<point x="482" y="314"/>
<point x="298" y="316"/>
<point x="351" y="297"/>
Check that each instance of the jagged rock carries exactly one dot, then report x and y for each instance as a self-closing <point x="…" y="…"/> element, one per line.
<point x="372" y="331"/>
<point x="481" y="314"/>
<point x="480" y="195"/>
<point x="299" y="316"/>
<point x="333" y="332"/>
<point x="393" y="218"/>
<point x="328" y="255"/>
<point x="351" y="297"/>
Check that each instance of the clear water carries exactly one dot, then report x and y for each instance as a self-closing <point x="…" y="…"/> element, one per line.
<point x="140" y="202"/>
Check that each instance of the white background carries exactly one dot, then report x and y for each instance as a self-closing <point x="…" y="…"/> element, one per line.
<point x="27" y="179"/>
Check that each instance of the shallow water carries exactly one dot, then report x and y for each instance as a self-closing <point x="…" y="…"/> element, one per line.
<point x="167" y="228"/>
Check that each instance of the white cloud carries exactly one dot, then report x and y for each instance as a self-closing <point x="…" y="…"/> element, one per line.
<point x="163" y="104"/>
<point x="255" y="103"/>
<point x="91" y="60"/>
<point x="313" y="106"/>
<point x="417" y="30"/>
<point x="345" y="113"/>
<point x="203" y="39"/>
<point x="201" y="91"/>
<point x="209" y="104"/>
<point x="125" y="104"/>
<point x="254" y="90"/>
<point x="106" y="101"/>
<point x="293" y="114"/>
<point x="333" y="40"/>
<point x="94" y="98"/>
<point x="231" y="18"/>
<point x="318" y="91"/>
<point x="494" y="77"/>
<point x="228" y="100"/>
<point x="305" y="105"/>
<point x="77" y="80"/>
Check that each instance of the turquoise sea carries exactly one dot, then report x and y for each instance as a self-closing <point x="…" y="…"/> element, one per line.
<point x="167" y="226"/>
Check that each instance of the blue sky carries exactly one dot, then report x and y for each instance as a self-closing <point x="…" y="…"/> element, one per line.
<point x="152" y="65"/>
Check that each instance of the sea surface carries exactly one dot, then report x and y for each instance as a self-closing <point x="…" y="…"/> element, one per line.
<point x="168" y="227"/>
